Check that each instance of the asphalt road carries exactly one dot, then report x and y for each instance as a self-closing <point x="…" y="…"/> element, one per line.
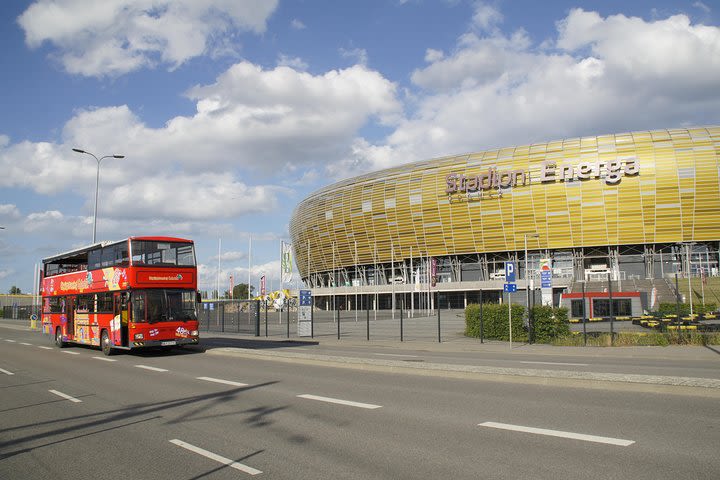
<point x="72" y="414"/>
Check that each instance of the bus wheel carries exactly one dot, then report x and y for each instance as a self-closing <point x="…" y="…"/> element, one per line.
<point x="58" y="338"/>
<point x="105" y="344"/>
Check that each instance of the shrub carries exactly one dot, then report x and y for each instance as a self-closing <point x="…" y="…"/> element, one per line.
<point x="632" y="339"/>
<point x="550" y="323"/>
<point x="670" y="309"/>
<point x="495" y="321"/>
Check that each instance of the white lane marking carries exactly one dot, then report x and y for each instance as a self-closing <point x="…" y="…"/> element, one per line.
<point x="45" y="348"/>
<point x="220" y="380"/>
<point x="71" y="353"/>
<point x="65" y="396"/>
<point x="558" y="433"/>
<point x="369" y="406"/>
<point x="216" y="457"/>
<point x="105" y="359"/>
<point x="559" y="363"/>
<point x="26" y="344"/>
<point x="154" y="369"/>
<point x="8" y="340"/>
<point x="6" y="372"/>
<point x="395" y="355"/>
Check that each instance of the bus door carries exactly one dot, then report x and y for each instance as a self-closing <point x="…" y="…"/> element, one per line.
<point x="70" y="316"/>
<point x="119" y="324"/>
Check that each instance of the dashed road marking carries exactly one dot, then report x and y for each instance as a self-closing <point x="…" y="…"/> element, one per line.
<point x="65" y="396"/>
<point x="154" y="369"/>
<point x="557" y="433"/>
<point x="225" y="382"/>
<point x="26" y="344"/>
<point x="368" y="406"/>
<point x="11" y="341"/>
<point x="105" y="359"/>
<point x="216" y="457"/>
<point x="45" y="348"/>
<point x="71" y="353"/>
<point x="6" y="372"/>
<point x="558" y="363"/>
<point x="395" y="355"/>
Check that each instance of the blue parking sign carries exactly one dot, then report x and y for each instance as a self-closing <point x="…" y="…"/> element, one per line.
<point x="510" y="272"/>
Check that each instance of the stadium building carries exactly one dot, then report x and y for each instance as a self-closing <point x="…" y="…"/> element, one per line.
<point x="633" y="208"/>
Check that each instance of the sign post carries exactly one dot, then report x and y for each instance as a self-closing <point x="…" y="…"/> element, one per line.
<point x="546" y="281"/>
<point x="305" y="314"/>
<point x="510" y="287"/>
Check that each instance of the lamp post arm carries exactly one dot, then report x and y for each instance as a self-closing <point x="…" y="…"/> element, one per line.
<point x="97" y="183"/>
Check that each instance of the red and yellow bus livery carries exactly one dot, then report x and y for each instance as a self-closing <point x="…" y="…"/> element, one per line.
<point x="135" y="293"/>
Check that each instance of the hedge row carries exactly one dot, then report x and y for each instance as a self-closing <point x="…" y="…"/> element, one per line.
<point x="550" y="323"/>
<point x="670" y="309"/>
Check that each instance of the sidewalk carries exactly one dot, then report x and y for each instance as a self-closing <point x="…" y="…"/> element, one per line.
<point x="281" y="349"/>
<point x="277" y="348"/>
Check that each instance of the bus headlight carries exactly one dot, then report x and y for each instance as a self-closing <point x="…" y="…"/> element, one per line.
<point x="194" y="333"/>
<point x="139" y="336"/>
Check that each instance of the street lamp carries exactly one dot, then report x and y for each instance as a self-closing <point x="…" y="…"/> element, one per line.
<point x="527" y="283"/>
<point x="97" y="182"/>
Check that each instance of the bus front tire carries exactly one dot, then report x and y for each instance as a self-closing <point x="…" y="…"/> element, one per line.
<point x="105" y="344"/>
<point x="58" y="338"/>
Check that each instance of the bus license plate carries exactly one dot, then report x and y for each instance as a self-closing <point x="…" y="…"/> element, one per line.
<point x="171" y="342"/>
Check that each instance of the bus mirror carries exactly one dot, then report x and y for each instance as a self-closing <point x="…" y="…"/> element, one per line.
<point x="198" y="297"/>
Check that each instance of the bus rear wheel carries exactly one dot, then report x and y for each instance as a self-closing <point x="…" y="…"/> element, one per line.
<point x="105" y="344"/>
<point x="58" y="338"/>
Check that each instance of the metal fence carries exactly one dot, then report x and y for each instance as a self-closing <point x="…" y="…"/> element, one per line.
<point x="403" y="325"/>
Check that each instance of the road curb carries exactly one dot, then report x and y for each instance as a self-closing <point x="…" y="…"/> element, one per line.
<point x="653" y="383"/>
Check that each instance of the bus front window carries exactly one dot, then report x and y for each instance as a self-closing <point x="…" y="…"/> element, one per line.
<point x="164" y="305"/>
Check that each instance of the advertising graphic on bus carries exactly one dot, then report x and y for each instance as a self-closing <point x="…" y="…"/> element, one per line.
<point x="135" y="293"/>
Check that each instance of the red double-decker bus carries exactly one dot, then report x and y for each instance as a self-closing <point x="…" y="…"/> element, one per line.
<point x="136" y="293"/>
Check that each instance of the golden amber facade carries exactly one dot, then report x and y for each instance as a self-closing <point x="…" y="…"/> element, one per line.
<point x="647" y="187"/>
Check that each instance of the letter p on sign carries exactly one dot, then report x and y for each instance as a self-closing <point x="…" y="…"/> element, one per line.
<point x="510" y="272"/>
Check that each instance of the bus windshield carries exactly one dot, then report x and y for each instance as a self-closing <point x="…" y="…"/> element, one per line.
<point x="163" y="305"/>
<point x="148" y="252"/>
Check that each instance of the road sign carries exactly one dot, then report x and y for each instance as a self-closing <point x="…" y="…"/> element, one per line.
<point x="305" y="298"/>
<point x="510" y="287"/>
<point x="546" y="279"/>
<point x="510" y="272"/>
<point x="304" y="324"/>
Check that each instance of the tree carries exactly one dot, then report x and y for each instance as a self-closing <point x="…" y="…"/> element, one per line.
<point x="15" y="290"/>
<point x="240" y="291"/>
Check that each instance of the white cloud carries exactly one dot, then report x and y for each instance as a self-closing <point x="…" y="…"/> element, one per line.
<point x="486" y="17"/>
<point x="43" y="220"/>
<point x="9" y="211"/>
<point x="113" y="37"/>
<point x="702" y="7"/>
<point x="189" y="197"/>
<point x="432" y="55"/>
<point x="605" y="74"/>
<point x="297" y="24"/>
<point x="359" y="55"/>
<point x="249" y="120"/>
<point x="293" y="62"/>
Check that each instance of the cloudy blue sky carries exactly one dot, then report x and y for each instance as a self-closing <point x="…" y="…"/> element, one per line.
<point x="229" y="112"/>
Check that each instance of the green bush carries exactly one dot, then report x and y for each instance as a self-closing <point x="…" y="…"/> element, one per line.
<point x="495" y="322"/>
<point x="670" y="309"/>
<point x="633" y="339"/>
<point x="550" y="323"/>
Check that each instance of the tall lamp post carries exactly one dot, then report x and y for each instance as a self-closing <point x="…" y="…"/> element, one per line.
<point x="527" y="285"/>
<point x="97" y="182"/>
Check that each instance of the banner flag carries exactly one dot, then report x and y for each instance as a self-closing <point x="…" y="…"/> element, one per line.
<point x="262" y="285"/>
<point x="286" y="262"/>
